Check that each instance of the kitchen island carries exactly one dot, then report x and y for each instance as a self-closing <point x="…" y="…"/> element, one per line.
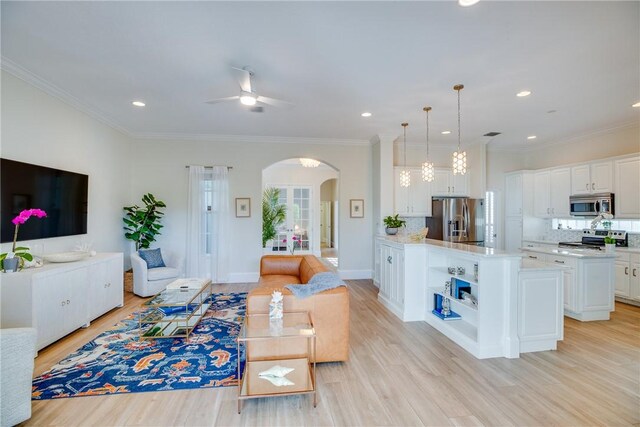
<point x="496" y="317"/>
<point x="589" y="280"/>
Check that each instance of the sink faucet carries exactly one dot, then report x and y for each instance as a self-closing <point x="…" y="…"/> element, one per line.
<point x="597" y="220"/>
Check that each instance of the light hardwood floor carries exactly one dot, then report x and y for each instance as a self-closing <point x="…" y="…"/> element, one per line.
<point x="398" y="374"/>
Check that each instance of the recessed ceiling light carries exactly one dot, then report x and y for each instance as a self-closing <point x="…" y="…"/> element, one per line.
<point x="467" y="3"/>
<point x="366" y="114"/>
<point x="636" y="105"/>
<point x="523" y="93"/>
<point x="138" y="103"/>
<point x="446" y="132"/>
<point x="531" y="137"/>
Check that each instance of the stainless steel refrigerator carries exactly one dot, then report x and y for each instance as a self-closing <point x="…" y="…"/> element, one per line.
<point x="457" y="219"/>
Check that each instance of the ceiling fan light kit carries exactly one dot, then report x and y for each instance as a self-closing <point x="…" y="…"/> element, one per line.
<point x="248" y="96"/>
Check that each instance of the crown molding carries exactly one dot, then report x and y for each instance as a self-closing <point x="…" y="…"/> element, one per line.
<point x="49" y="88"/>
<point x="246" y="139"/>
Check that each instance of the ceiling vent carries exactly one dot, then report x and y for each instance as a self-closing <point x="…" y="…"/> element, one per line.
<point x="492" y="133"/>
<point x="257" y="109"/>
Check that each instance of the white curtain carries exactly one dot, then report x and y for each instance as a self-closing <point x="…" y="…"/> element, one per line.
<point x="208" y="223"/>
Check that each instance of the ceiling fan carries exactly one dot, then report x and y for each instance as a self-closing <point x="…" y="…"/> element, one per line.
<point x="248" y="96"/>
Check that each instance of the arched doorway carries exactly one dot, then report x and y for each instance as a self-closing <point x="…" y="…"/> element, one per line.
<point x="299" y="189"/>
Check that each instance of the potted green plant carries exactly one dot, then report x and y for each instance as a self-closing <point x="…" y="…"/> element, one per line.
<point x="142" y="224"/>
<point x="392" y="223"/>
<point x="273" y="214"/>
<point x="609" y="244"/>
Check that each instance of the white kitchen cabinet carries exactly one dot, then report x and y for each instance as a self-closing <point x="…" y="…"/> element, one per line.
<point x="57" y="299"/>
<point x="402" y="278"/>
<point x="446" y="184"/>
<point x="414" y="200"/>
<point x="551" y="191"/>
<point x="628" y="276"/>
<point x="513" y="234"/>
<point x="560" y="190"/>
<point x="627" y="188"/>
<point x="588" y="283"/>
<point x="592" y="178"/>
<point x="513" y="194"/>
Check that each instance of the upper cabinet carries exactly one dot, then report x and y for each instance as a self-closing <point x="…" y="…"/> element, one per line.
<point x="414" y="200"/>
<point x="627" y="188"/>
<point x="446" y="184"/>
<point x="592" y="178"/>
<point x="551" y="191"/>
<point x="513" y="194"/>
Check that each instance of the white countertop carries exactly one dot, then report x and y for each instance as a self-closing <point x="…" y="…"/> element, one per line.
<point x="549" y="242"/>
<point x="576" y="253"/>
<point x="459" y="247"/>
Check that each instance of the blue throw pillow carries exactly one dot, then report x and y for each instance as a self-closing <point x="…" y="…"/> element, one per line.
<point x="152" y="257"/>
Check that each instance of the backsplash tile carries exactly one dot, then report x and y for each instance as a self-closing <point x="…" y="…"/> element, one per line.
<point x="413" y="224"/>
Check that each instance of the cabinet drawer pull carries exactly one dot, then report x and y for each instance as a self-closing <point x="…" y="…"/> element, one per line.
<point x="548" y="210"/>
<point x="449" y="189"/>
<point x="634" y="272"/>
<point x="593" y="185"/>
<point x="558" y="261"/>
<point x="63" y="303"/>
<point x="389" y="259"/>
<point x="453" y="189"/>
<point x="533" y="257"/>
<point x="587" y="184"/>
<point x="68" y="302"/>
<point x="626" y="271"/>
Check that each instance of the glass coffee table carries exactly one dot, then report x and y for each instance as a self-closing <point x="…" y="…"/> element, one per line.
<point x="176" y="310"/>
<point x="300" y="366"/>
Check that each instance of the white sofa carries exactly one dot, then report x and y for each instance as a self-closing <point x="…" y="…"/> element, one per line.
<point x="148" y="282"/>
<point x="17" y="351"/>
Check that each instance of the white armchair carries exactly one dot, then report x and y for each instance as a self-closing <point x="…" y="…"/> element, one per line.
<point x="17" y="350"/>
<point x="147" y="282"/>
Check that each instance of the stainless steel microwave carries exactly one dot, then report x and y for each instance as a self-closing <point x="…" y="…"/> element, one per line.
<point x="592" y="205"/>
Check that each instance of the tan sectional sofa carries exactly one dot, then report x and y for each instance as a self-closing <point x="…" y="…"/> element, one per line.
<point x="328" y="309"/>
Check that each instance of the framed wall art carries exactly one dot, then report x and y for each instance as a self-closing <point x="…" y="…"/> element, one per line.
<point x="243" y="207"/>
<point x="357" y="208"/>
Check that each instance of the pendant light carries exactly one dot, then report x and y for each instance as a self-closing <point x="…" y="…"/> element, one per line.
<point x="459" y="157"/>
<point x="428" y="172"/>
<point x="405" y="174"/>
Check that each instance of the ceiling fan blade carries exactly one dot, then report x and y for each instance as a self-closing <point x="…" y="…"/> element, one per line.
<point x="275" y="102"/>
<point x="244" y="78"/>
<point x="229" y="98"/>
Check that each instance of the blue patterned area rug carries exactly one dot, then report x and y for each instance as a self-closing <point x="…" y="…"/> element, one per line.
<point x="117" y="361"/>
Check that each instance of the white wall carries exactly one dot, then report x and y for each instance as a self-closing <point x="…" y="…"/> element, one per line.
<point x="40" y="129"/>
<point x="286" y="174"/>
<point x="615" y="142"/>
<point x="160" y="169"/>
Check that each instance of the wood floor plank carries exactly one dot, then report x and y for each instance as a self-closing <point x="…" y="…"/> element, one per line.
<point x="398" y="374"/>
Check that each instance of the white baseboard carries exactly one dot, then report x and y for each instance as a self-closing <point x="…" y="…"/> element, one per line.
<point x="244" y="277"/>
<point x="355" y="274"/>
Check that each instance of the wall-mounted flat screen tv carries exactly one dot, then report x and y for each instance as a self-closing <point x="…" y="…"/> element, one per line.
<point x="62" y="194"/>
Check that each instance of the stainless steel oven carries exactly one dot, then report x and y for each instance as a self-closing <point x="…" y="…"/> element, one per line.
<point x="592" y="205"/>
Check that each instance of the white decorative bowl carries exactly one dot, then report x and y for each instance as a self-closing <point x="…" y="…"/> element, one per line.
<point x="66" y="256"/>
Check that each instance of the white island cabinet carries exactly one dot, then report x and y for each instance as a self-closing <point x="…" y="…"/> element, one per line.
<point x="401" y="274"/>
<point x="57" y="299"/>
<point x="589" y="280"/>
<point x="517" y="308"/>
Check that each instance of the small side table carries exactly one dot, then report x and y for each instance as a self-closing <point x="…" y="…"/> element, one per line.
<point x="292" y="326"/>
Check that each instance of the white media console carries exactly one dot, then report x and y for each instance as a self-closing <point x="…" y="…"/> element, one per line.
<point x="57" y="299"/>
